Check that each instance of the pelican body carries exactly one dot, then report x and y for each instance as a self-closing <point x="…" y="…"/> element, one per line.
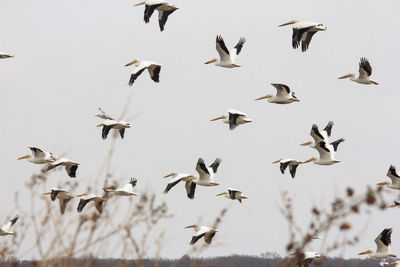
<point x="365" y="71"/>
<point x="164" y="10"/>
<point x="323" y="135"/>
<point x="227" y="58"/>
<point x="140" y="66"/>
<point x="305" y="258"/>
<point x="6" y="229"/>
<point x="326" y="155"/>
<point x="38" y="156"/>
<point x="234" y="118"/>
<point x="233" y="194"/>
<point x="291" y="163"/>
<point x="177" y="178"/>
<point x="70" y="166"/>
<point x="126" y="190"/>
<point x="202" y="231"/>
<point x="63" y="196"/>
<point x="383" y="242"/>
<point x="303" y="31"/>
<point x="110" y="123"/>
<point x="86" y="198"/>
<point x="283" y="95"/>
<point x="392" y="174"/>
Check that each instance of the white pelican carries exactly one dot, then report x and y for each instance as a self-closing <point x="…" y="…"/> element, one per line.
<point x="206" y="176"/>
<point x="396" y="204"/>
<point x="70" y="166"/>
<point x="392" y="174"/>
<point x="38" y="156"/>
<point x="226" y="57"/>
<point x="383" y="242"/>
<point x="86" y="198"/>
<point x="233" y="194"/>
<point x="365" y="71"/>
<point x="292" y="163"/>
<point x="305" y="258"/>
<point x="200" y="231"/>
<point x="326" y="155"/>
<point x="63" y="196"/>
<point x="6" y="229"/>
<point x="283" y="95"/>
<point x="176" y="178"/>
<point x="140" y="65"/>
<point x="395" y="264"/>
<point x="324" y="135"/>
<point x="126" y="190"/>
<point x="4" y="55"/>
<point x="109" y="123"/>
<point x="164" y="10"/>
<point x="303" y="32"/>
<point x="234" y="118"/>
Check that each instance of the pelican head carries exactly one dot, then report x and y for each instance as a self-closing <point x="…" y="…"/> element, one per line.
<point x="350" y="75"/>
<point x="141" y="3"/>
<point x="134" y="61"/>
<point x="24" y="157"/>
<point x="320" y="27"/>
<point x="396" y="204"/>
<point x="219" y="118"/>
<point x="173" y="7"/>
<point x="294" y="98"/>
<point x="125" y="124"/>
<point x="277" y="161"/>
<point x="309" y="143"/>
<point x="211" y="61"/>
<point x="263" y="97"/>
<point x="310" y="160"/>
<point x="367" y="252"/>
<point x="288" y="23"/>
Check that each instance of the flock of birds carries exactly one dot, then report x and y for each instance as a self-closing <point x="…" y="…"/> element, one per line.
<point x="301" y="37"/>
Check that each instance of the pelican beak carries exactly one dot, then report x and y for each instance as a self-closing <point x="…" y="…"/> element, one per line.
<point x="190" y="226"/>
<point x="244" y="197"/>
<point x="221" y="194"/>
<point x="263" y="97"/>
<point x="276" y="161"/>
<point x="169" y="175"/>
<point x="100" y="125"/>
<point x="141" y="3"/>
<point x="365" y="252"/>
<point x="108" y="188"/>
<point x="309" y="160"/>
<point x="288" y="23"/>
<point x="211" y="61"/>
<point x="392" y="255"/>
<point x="237" y="66"/>
<point x="382" y="183"/>
<point x="248" y="120"/>
<point x="336" y="161"/>
<point x="393" y="206"/>
<point x="307" y="143"/>
<point x="81" y="195"/>
<point x="219" y="118"/>
<point x="24" y="157"/>
<point x="346" y="76"/>
<point x="134" y="61"/>
<point x="48" y="193"/>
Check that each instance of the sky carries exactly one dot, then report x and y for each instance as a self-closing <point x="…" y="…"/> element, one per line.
<point x="69" y="61"/>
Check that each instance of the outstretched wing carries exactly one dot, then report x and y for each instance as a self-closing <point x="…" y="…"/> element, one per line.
<point x="163" y="17"/>
<point x="71" y="170"/>
<point x="154" y="71"/>
<point x="105" y="131"/>
<point x="239" y="45"/>
<point x="282" y="90"/>
<point x="221" y="49"/>
<point x="190" y="189"/>
<point x="328" y="128"/>
<point x="336" y="143"/>
<point x="215" y="165"/>
<point x="149" y="10"/>
<point x="104" y="115"/>
<point x="201" y="167"/>
<point x="365" y="69"/>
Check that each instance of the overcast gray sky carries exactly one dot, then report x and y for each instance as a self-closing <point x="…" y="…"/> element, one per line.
<point x="70" y="58"/>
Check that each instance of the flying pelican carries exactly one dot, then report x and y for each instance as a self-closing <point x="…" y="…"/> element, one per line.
<point x="63" y="196"/>
<point x="126" y="190"/>
<point x="4" y="55"/>
<point x="326" y="155"/>
<point x="396" y="204"/>
<point x="176" y="178"/>
<point x="6" y="229"/>
<point x="303" y="32"/>
<point x="392" y="174"/>
<point x="233" y="194"/>
<point x="305" y="258"/>
<point x="283" y="95"/>
<point x="153" y="68"/>
<point x="226" y="57"/>
<point x="292" y="163"/>
<point x="109" y="123"/>
<point x="234" y="118"/>
<point x="383" y="242"/>
<point x="86" y="198"/>
<point x="365" y="71"/>
<point x="38" y="156"/>
<point x="200" y="231"/>
<point x="70" y="166"/>
<point x="206" y="176"/>
<point x="164" y="10"/>
<point x="324" y="135"/>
